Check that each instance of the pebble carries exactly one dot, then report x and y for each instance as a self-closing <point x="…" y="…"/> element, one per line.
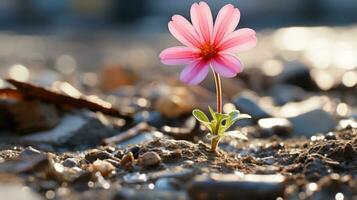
<point x="148" y="194"/>
<point x="70" y="162"/>
<point x="178" y="103"/>
<point x="330" y="136"/>
<point x="167" y="184"/>
<point x="95" y="154"/>
<point x="25" y="164"/>
<point x="135" y="151"/>
<point x="284" y="93"/>
<point x="297" y="74"/>
<point x="312" y="122"/>
<point x="127" y="161"/>
<point x="32" y="116"/>
<point x="275" y="126"/>
<point x="102" y="166"/>
<point x="78" y="130"/>
<point x="150" y="159"/>
<point x="29" y="151"/>
<point x="135" y="178"/>
<point x="248" y="104"/>
<point x="231" y="186"/>
<point x="178" y="173"/>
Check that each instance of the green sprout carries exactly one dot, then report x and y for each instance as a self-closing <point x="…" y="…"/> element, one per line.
<point x="219" y="124"/>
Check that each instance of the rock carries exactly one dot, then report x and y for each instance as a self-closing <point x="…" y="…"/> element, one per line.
<point x="96" y="154"/>
<point x="127" y="161"/>
<point x="135" y="151"/>
<point x="75" y="131"/>
<point x="344" y="123"/>
<point x="230" y="186"/>
<point x="33" y="116"/>
<point x="156" y="119"/>
<point x="133" y="194"/>
<point x="64" y="95"/>
<point x="115" y="76"/>
<point x="169" y="184"/>
<point x="178" y="173"/>
<point x="299" y="75"/>
<point x="330" y="136"/>
<point x="248" y="104"/>
<point x="141" y="138"/>
<point x="186" y="131"/>
<point x="150" y="159"/>
<point x="70" y="162"/>
<point x="283" y="93"/>
<point x="6" y="121"/>
<point x="135" y="135"/>
<point x="275" y="126"/>
<point x="104" y="167"/>
<point x="312" y="122"/>
<point x="17" y="192"/>
<point x="178" y="103"/>
<point x="25" y="164"/>
<point x="29" y="151"/>
<point x="134" y="178"/>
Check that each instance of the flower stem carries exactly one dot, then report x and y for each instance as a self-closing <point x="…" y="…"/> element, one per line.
<point x="214" y="143"/>
<point x="217" y="81"/>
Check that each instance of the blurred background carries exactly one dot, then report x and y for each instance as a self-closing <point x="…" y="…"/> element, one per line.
<point x="45" y="41"/>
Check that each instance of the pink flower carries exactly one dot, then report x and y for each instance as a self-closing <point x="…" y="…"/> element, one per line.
<point x="208" y="45"/>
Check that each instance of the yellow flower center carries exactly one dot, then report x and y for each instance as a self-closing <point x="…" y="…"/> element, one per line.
<point x="208" y="51"/>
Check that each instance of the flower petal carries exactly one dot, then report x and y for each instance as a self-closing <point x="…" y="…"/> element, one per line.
<point x="226" y="21"/>
<point x="227" y="65"/>
<point x="178" y="55"/>
<point x="240" y="40"/>
<point x="201" y="17"/>
<point x="195" y="72"/>
<point x="183" y="31"/>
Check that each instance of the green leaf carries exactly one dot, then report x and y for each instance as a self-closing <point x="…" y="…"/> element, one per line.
<point x="236" y="134"/>
<point x="213" y="114"/>
<point x="234" y="115"/>
<point x="244" y="116"/>
<point x="200" y="116"/>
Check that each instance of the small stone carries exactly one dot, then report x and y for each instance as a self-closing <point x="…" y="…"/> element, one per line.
<point x="231" y="186"/>
<point x="283" y="93"/>
<point x="275" y="126"/>
<point x="295" y="73"/>
<point x="102" y="166"/>
<point x="247" y="103"/>
<point x="32" y="116"/>
<point x="96" y="154"/>
<point x="135" y="178"/>
<point x="178" y="103"/>
<point x="29" y="151"/>
<point x="70" y="162"/>
<point x="312" y="122"/>
<point x="26" y="164"/>
<point x="75" y="131"/>
<point x="127" y="161"/>
<point x="330" y="136"/>
<point x="116" y="76"/>
<point x="150" y="159"/>
<point x="127" y="193"/>
<point x="169" y="184"/>
<point x="135" y="150"/>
